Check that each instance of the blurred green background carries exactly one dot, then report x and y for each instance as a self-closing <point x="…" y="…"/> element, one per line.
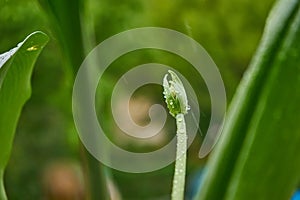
<point x="46" y="143"/>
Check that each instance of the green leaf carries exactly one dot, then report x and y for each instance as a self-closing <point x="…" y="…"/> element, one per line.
<point x="16" y="68"/>
<point x="257" y="155"/>
<point x="65" y="20"/>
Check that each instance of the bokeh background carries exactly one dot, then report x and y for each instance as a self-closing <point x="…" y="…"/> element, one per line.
<point x="47" y="155"/>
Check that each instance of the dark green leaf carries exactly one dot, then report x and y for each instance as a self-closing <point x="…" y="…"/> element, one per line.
<point x="65" y="20"/>
<point x="256" y="157"/>
<point x="67" y="25"/>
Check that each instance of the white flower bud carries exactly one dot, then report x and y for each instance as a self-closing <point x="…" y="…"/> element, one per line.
<point x="175" y="95"/>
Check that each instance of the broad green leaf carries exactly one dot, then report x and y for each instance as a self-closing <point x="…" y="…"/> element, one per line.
<point x="257" y="156"/>
<point x="16" y="68"/>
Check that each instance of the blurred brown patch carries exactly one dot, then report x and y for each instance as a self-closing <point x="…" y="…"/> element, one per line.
<point x="63" y="182"/>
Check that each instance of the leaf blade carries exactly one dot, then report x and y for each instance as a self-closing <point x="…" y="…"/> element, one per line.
<point x="15" y="90"/>
<point x="223" y="160"/>
<point x="273" y="172"/>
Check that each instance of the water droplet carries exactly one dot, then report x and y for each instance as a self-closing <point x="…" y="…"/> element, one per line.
<point x="33" y="48"/>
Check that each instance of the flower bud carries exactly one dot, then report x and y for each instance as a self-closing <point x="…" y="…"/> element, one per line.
<point x="175" y="95"/>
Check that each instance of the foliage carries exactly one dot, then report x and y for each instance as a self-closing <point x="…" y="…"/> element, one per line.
<point x="256" y="156"/>
<point x="15" y="73"/>
<point x="229" y="30"/>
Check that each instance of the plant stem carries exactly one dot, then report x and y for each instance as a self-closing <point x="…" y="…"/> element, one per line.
<point x="2" y="190"/>
<point x="180" y="163"/>
<point x="94" y="177"/>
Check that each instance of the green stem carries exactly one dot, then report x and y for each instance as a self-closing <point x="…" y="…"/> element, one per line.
<point x="180" y="163"/>
<point x="94" y="177"/>
<point x="2" y="190"/>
